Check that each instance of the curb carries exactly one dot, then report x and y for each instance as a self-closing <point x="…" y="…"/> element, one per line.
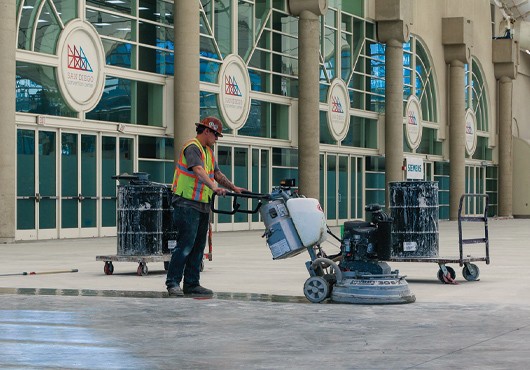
<point x="248" y="297"/>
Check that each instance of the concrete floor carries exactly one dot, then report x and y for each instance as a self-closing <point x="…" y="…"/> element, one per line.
<point x="89" y="320"/>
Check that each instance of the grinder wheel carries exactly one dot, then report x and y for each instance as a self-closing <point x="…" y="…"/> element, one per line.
<point x="316" y="289"/>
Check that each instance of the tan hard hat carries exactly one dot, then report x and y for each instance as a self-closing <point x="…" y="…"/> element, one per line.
<point x="212" y="123"/>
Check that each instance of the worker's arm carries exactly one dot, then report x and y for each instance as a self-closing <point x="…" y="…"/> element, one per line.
<point x="200" y="172"/>
<point x="223" y="181"/>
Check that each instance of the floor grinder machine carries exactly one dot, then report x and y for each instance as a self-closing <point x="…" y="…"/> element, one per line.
<point x="357" y="274"/>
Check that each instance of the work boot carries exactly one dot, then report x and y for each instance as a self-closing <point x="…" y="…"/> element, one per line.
<point x="196" y="289"/>
<point x="175" y="291"/>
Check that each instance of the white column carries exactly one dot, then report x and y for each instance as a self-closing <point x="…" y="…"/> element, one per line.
<point x="8" y="32"/>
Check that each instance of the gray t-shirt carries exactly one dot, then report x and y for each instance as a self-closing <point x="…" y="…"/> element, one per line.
<point x="193" y="158"/>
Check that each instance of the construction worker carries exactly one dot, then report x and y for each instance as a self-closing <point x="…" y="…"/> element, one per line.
<point x="193" y="188"/>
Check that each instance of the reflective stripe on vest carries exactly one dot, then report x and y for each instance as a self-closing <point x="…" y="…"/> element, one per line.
<point x="186" y="183"/>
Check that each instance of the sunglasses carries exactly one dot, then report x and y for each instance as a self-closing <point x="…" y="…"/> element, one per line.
<point x="215" y="133"/>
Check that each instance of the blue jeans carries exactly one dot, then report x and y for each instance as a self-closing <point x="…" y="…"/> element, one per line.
<point x="192" y="229"/>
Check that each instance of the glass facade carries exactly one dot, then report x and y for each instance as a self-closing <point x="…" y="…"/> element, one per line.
<point x="129" y="130"/>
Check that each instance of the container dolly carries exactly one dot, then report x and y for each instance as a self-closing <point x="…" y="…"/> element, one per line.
<point x="470" y="271"/>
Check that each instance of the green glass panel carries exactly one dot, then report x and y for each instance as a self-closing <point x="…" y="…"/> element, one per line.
<point x="331" y="174"/>
<point x="285" y="44"/>
<point x="284" y="64"/>
<point x="156" y="35"/>
<point x="285" y="158"/>
<point x="111" y="25"/>
<point x="241" y="179"/>
<point x="25" y="163"/>
<point x="265" y="184"/>
<point x="260" y="81"/>
<point x="156" y="10"/>
<point x="115" y="103"/>
<point x="262" y="10"/>
<point x="47" y="214"/>
<point x="267" y="120"/>
<point x="325" y="133"/>
<point x="224" y="159"/>
<point x="26" y="24"/>
<point x="207" y="6"/>
<point x="149" y="104"/>
<point x="25" y="214"/>
<point x="284" y="23"/>
<point x="119" y="54"/>
<point x="121" y="6"/>
<point x="108" y="185"/>
<point x="278" y="4"/>
<point x="89" y="213"/>
<point x="209" y="104"/>
<point x="260" y="59"/>
<point x="279" y="174"/>
<point x="322" y="169"/>
<point x="47" y="179"/>
<point x="330" y="41"/>
<point x="244" y="29"/>
<point x="48" y="30"/>
<point x="47" y="163"/>
<point x="343" y="187"/>
<point x="69" y="176"/>
<point x="208" y="49"/>
<point x="352" y="7"/>
<point x="156" y="170"/>
<point x="88" y="165"/>
<point x="209" y="71"/>
<point x="126" y="156"/>
<point x="108" y="212"/>
<point x="255" y="186"/>
<point x="67" y="9"/>
<point x="346" y="56"/>
<point x="69" y="213"/>
<point x="155" y="147"/>
<point x="222" y="26"/>
<point x="37" y="91"/>
<point x="330" y="18"/>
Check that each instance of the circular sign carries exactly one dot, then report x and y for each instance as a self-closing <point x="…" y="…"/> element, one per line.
<point x="413" y="126"/>
<point x="471" y="132"/>
<point x="234" y="97"/>
<point x="81" y="60"/>
<point x="338" y="109"/>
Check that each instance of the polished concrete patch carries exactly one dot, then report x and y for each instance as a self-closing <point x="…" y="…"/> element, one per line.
<point x="132" y="333"/>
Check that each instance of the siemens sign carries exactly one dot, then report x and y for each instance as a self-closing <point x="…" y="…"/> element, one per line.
<point x="414" y="167"/>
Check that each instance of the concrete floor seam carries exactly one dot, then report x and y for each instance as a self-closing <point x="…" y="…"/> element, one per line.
<point x="469" y="346"/>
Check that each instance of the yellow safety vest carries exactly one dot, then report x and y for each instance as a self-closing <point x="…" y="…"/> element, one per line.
<point x="186" y="183"/>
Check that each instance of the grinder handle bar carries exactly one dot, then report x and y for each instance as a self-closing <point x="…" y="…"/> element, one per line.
<point x="235" y="205"/>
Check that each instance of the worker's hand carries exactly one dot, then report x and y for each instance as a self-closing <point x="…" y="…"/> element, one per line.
<point x="238" y="190"/>
<point x="219" y="191"/>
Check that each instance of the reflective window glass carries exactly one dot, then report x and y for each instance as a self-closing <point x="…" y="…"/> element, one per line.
<point x="155" y="35"/>
<point x="37" y="91"/>
<point x="118" y="54"/>
<point x="111" y="25"/>
<point x="48" y="30"/>
<point x="156" y="10"/>
<point x="121" y="6"/>
<point x="267" y="120"/>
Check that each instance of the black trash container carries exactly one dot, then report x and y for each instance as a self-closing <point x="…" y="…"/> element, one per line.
<point x="169" y="235"/>
<point x="414" y="210"/>
<point x="140" y="218"/>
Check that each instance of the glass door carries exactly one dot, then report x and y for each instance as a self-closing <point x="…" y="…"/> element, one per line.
<point x="331" y="189"/>
<point x="343" y="188"/>
<point x="79" y="199"/>
<point x="260" y="181"/>
<point x="475" y="184"/>
<point x="36" y="184"/>
<point x="234" y="164"/>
